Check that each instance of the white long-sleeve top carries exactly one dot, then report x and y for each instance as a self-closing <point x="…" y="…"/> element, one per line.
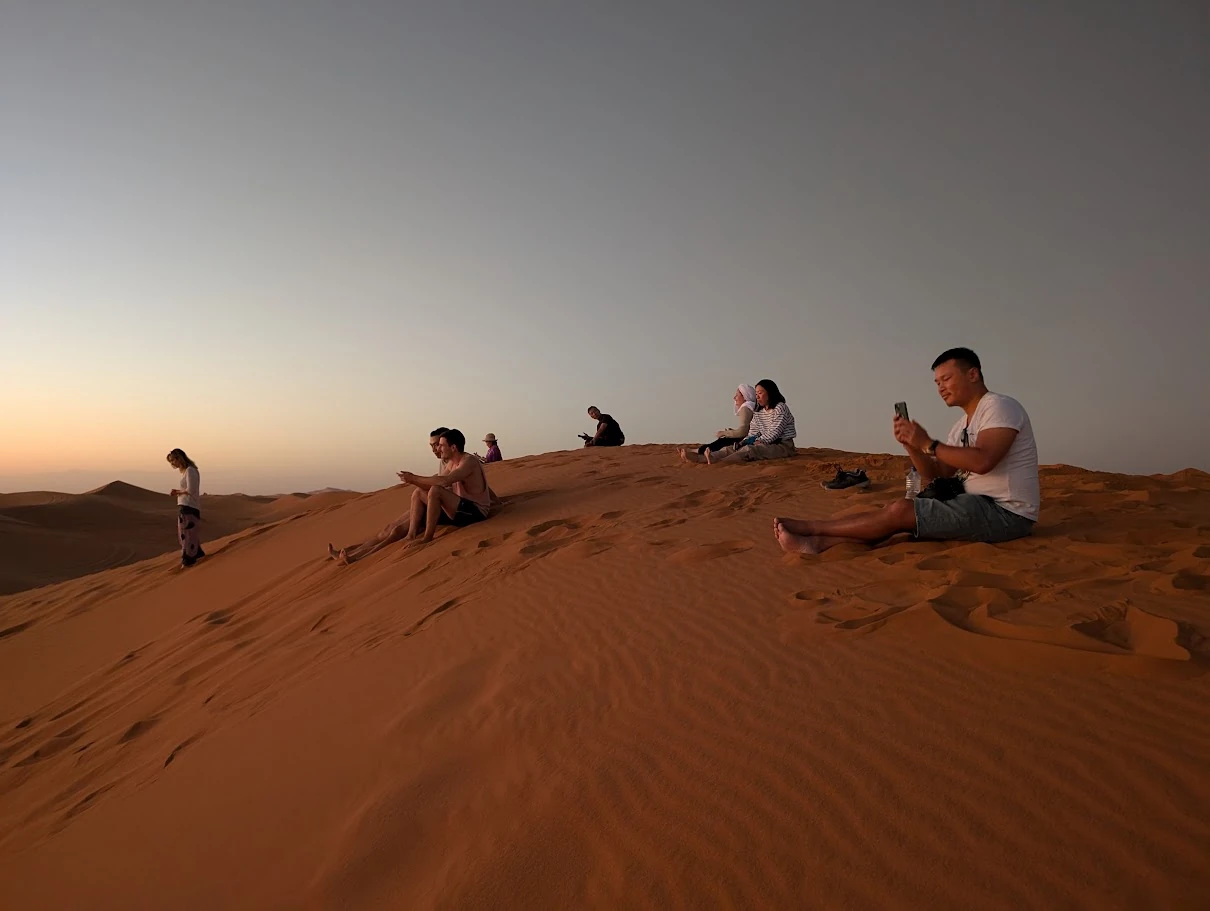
<point x="191" y="484"/>
<point x="770" y="425"/>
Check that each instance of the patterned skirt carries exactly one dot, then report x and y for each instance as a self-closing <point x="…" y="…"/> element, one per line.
<point x="187" y="521"/>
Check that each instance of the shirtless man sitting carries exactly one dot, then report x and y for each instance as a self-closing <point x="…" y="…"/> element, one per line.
<point x="395" y="530"/>
<point x="458" y="497"/>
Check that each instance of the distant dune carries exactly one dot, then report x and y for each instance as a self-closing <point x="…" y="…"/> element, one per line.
<point x="49" y="537"/>
<point x="616" y="693"/>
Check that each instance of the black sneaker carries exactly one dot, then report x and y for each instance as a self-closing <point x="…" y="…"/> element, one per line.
<point x="847" y="479"/>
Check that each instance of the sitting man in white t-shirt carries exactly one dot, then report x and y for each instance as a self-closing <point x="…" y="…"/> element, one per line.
<point x="991" y="448"/>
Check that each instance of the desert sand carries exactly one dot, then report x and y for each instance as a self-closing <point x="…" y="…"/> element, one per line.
<point x="49" y="537"/>
<point x="619" y="693"/>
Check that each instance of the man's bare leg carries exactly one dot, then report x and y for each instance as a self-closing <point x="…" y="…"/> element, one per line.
<point x="419" y="502"/>
<point x="816" y="536"/>
<point x="387" y="537"/>
<point x="439" y="500"/>
<point x="807" y="544"/>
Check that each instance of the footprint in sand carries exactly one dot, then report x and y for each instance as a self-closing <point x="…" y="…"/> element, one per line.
<point x="16" y="628"/>
<point x="138" y="729"/>
<point x="542" y="527"/>
<point x="435" y="612"/>
<point x="711" y="551"/>
<point x="181" y="746"/>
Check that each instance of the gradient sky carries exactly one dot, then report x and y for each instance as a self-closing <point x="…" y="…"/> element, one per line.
<point x="291" y="237"/>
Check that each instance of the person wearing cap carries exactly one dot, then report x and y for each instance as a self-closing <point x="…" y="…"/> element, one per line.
<point x="493" y="450"/>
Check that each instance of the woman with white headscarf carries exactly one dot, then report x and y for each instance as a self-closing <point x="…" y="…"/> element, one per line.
<point x="745" y="405"/>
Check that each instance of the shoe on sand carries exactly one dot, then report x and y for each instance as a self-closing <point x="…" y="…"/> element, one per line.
<point x="847" y="479"/>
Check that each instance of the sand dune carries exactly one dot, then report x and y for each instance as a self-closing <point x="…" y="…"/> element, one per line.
<point x="49" y="537"/>
<point x="619" y="693"/>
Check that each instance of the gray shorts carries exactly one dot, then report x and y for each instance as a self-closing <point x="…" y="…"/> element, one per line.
<point x="968" y="517"/>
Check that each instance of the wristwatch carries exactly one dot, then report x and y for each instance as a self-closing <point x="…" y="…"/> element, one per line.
<point x="932" y="448"/>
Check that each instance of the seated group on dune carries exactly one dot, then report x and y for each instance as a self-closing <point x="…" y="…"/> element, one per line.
<point x="765" y="429"/>
<point x="458" y="495"/>
<point x="982" y="482"/>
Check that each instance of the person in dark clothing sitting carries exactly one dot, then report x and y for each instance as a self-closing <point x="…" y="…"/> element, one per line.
<point x="608" y="432"/>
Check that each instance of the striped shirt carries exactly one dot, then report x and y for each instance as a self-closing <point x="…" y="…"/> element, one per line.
<point x="772" y="425"/>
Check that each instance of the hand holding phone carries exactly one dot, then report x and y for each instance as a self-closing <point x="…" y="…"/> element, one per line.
<point x="901" y="411"/>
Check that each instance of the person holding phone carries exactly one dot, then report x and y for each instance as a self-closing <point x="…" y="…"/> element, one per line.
<point x="394" y="531"/>
<point x="992" y="445"/>
<point x="189" y="507"/>
<point x="609" y="432"/>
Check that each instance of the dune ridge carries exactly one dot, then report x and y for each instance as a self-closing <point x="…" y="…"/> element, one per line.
<point x="619" y="693"/>
<point x="48" y="537"/>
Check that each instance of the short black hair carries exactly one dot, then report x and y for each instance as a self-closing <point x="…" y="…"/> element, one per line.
<point x="438" y="432"/>
<point x="455" y="439"/>
<point x="774" y="394"/>
<point x="965" y="358"/>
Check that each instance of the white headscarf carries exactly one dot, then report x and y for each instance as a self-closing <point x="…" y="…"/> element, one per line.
<point x="749" y="394"/>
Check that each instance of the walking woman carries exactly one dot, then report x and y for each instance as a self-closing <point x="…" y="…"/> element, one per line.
<point x="188" y="501"/>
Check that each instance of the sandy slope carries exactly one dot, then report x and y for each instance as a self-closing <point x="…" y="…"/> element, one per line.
<point x="49" y="537"/>
<point x="617" y="693"/>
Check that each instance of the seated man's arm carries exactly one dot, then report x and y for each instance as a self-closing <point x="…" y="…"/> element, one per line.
<point x="930" y="469"/>
<point x="424" y="482"/>
<point x="994" y="443"/>
<point x="461" y="473"/>
<point x="914" y="438"/>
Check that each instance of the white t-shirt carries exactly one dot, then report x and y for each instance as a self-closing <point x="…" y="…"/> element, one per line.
<point x="191" y="484"/>
<point x="1013" y="483"/>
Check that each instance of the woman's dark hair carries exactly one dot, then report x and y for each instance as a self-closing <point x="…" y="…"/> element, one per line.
<point x="775" y="396"/>
<point x="455" y="439"/>
<point x="179" y="455"/>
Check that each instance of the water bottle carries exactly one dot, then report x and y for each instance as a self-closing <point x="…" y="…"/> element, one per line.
<point x="913" y="484"/>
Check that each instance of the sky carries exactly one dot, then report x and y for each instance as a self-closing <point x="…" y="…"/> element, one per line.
<point x="293" y="237"/>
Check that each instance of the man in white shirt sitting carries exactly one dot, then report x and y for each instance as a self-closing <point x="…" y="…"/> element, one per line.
<point x="991" y="448"/>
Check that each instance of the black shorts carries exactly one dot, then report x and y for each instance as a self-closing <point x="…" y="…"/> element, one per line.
<point x="467" y="513"/>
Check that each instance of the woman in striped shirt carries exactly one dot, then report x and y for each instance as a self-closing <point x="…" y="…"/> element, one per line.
<point x="771" y="434"/>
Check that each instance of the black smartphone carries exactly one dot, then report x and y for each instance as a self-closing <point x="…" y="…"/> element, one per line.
<point x="901" y="410"/>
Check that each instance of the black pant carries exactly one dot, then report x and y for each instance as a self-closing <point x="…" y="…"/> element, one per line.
<point x="720" y="443"/>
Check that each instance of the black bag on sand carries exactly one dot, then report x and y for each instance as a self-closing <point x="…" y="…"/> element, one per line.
<point x="943" y="489"/>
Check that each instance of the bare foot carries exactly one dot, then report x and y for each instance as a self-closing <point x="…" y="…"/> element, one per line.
<point x="343" y="557"/>
<point x="797" y="544"/>
<point x="333" y="553"/>
<point x="793" y="526"/>
<point x="684" y="458"/>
